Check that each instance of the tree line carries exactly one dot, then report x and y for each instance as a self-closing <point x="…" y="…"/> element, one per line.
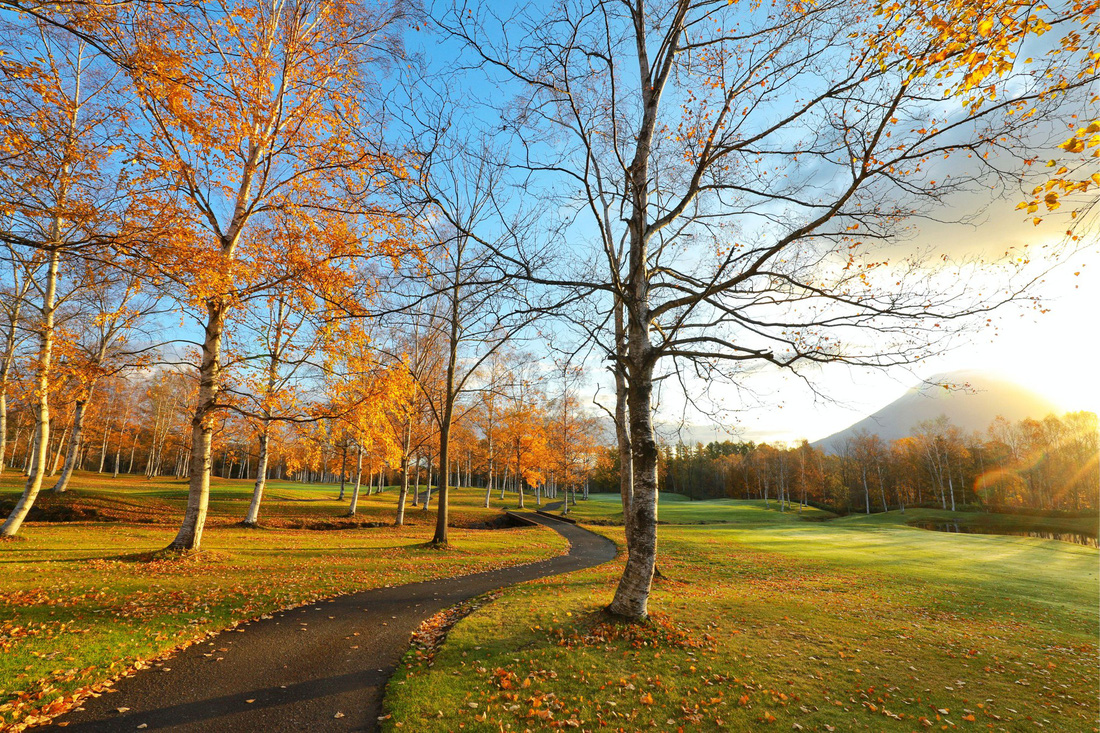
<point x="1048" y="465"/>
<point x="525" y="434"/>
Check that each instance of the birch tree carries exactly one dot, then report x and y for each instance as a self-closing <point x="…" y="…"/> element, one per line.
<point x="113" y="307"/>
<point x="470" y="300"/>
<point x="12" y="302"/>
<point x="59" y="203"/>
<point x="248" y="108"/>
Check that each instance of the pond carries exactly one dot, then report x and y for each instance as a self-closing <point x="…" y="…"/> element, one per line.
<point x="1075" y="537"/>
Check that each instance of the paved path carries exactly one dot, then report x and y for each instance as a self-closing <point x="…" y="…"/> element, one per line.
<point x="321" y="667"/>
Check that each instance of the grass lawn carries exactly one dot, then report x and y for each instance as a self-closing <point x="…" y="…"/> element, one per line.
<point x="82" y="601"/>
<point x="770" y="622"/>
<point x="135" y="499"/>
<point x="678" y="509"/>
<point x="983" y="520"/>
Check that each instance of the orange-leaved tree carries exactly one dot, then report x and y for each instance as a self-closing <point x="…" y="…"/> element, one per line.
<point x="524" y="432"/>
<point x="368" y="396"/>
<point x="248" y="108"/>
<point x="110" y="306"/>
<point x="281" y="335"/>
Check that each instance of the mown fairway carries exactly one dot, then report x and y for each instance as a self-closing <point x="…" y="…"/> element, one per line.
<point x="677" y="509"/>
<point x="771" y="621"/>
<point x="83" y="601"/>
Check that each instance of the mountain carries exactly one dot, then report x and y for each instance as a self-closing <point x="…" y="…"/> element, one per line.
<point x="977" y="399"/>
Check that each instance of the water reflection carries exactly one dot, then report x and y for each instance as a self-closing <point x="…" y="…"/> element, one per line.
<point x="1075" y="537"/>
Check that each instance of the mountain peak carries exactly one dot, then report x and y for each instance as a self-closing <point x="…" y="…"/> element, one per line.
<point x="970" y="399"/>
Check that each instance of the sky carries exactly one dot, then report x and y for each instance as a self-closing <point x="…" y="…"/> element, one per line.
<point x="1055" y="353"/>
<point x="1052" y="353"/>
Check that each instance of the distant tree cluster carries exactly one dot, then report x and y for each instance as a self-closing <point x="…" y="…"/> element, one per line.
<point x="382" y="434"/>
<point x="1048" y="464"/>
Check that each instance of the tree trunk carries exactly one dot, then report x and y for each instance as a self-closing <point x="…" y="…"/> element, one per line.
<point x="189" y="537"/>
<point x="622" y="429"/>
<point x="253" y="517"/>
<point x="32" y="451"/>
<point x="881" y="487"/>
<point x="5" y="371"/>
<point x="428" y="487"/>
<point x="632" y="594"/>
<point x="4" y="423"/>
<point x="133" y="452"/>
<point x="55" y="463"/>
<point x="442" y="514"/>
<point x="866" y="490"/>
<point x="118" y="456"/>
<point x="42" y="389"/>
<point x="343" y="472"/>
<point x="15" y="443"/>
<point x="489" y="482"/>
<point x="103" y="446"/>
<point x="403" y="495"/>
<point x="75" y="441"/>
<point x="358" y="482"/>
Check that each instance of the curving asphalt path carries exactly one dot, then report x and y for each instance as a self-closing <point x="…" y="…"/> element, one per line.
<point x="320" y="667"/>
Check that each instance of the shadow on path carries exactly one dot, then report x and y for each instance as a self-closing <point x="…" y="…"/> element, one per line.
<point x="319" y="667"/>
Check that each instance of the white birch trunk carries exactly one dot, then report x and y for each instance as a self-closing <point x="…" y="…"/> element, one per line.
<point x="189" y="537"/>
<point x="358" y="482"/>
<point x="42" y="404"/>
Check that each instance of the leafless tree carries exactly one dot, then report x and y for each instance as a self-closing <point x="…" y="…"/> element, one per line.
<point x="745" y="175"/>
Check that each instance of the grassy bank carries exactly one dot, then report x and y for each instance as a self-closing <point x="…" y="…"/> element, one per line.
<point x="770" y="622"/>
<point x="161" y="500"/>
<point x="678" y="509"/>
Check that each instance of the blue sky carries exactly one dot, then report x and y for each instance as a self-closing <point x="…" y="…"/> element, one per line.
<point x="1053" y="353"/>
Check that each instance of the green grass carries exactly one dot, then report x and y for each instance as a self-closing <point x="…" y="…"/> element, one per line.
<point x="81" y="602"/>
<point x="161" y="500"/>
<point x="769" y="622"/>
<point x="678" y="509"/>
<point x="984" y="520"/>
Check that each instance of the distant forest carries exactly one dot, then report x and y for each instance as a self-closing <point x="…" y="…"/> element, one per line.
<point x="1049" y="464"/>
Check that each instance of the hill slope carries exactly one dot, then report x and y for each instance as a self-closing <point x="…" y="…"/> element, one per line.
<point x="971" y="407"/>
